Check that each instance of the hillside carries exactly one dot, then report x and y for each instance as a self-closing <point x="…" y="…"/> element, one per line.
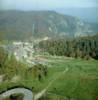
<point x="23" y="25"/>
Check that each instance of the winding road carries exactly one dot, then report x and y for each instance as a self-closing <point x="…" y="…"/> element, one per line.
<point x="28" y="95"/>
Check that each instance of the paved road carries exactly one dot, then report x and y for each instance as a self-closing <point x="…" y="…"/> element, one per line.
<point x="28" y="95"/>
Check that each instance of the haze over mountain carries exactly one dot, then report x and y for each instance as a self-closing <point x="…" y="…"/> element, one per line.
<point x="88" y="14"/>
<point x="26" y="24"/>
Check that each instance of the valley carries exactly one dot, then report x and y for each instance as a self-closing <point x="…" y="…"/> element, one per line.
<point x="45" y="55"/>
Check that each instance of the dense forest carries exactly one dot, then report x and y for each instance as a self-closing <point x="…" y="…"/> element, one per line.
<point x="84" y="47"/>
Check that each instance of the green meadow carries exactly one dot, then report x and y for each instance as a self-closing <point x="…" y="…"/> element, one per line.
<point x="66" y="77"/>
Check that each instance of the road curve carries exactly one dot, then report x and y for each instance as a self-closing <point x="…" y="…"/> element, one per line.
<point x="28" y="95"/>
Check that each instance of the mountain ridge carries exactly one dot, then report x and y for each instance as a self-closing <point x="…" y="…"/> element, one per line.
<point x="25" y="24"/>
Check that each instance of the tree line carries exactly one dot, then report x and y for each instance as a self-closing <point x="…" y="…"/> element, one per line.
<point x="85" y="47"/>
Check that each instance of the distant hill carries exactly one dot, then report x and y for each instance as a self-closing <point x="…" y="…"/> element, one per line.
<point x="26" y="24"/>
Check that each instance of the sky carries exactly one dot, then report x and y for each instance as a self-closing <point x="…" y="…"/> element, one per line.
<point x="69" y="7"/>
<point x="46" y="4"/>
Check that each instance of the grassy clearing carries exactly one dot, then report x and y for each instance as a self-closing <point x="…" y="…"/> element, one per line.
<point x="80" y="82"/>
